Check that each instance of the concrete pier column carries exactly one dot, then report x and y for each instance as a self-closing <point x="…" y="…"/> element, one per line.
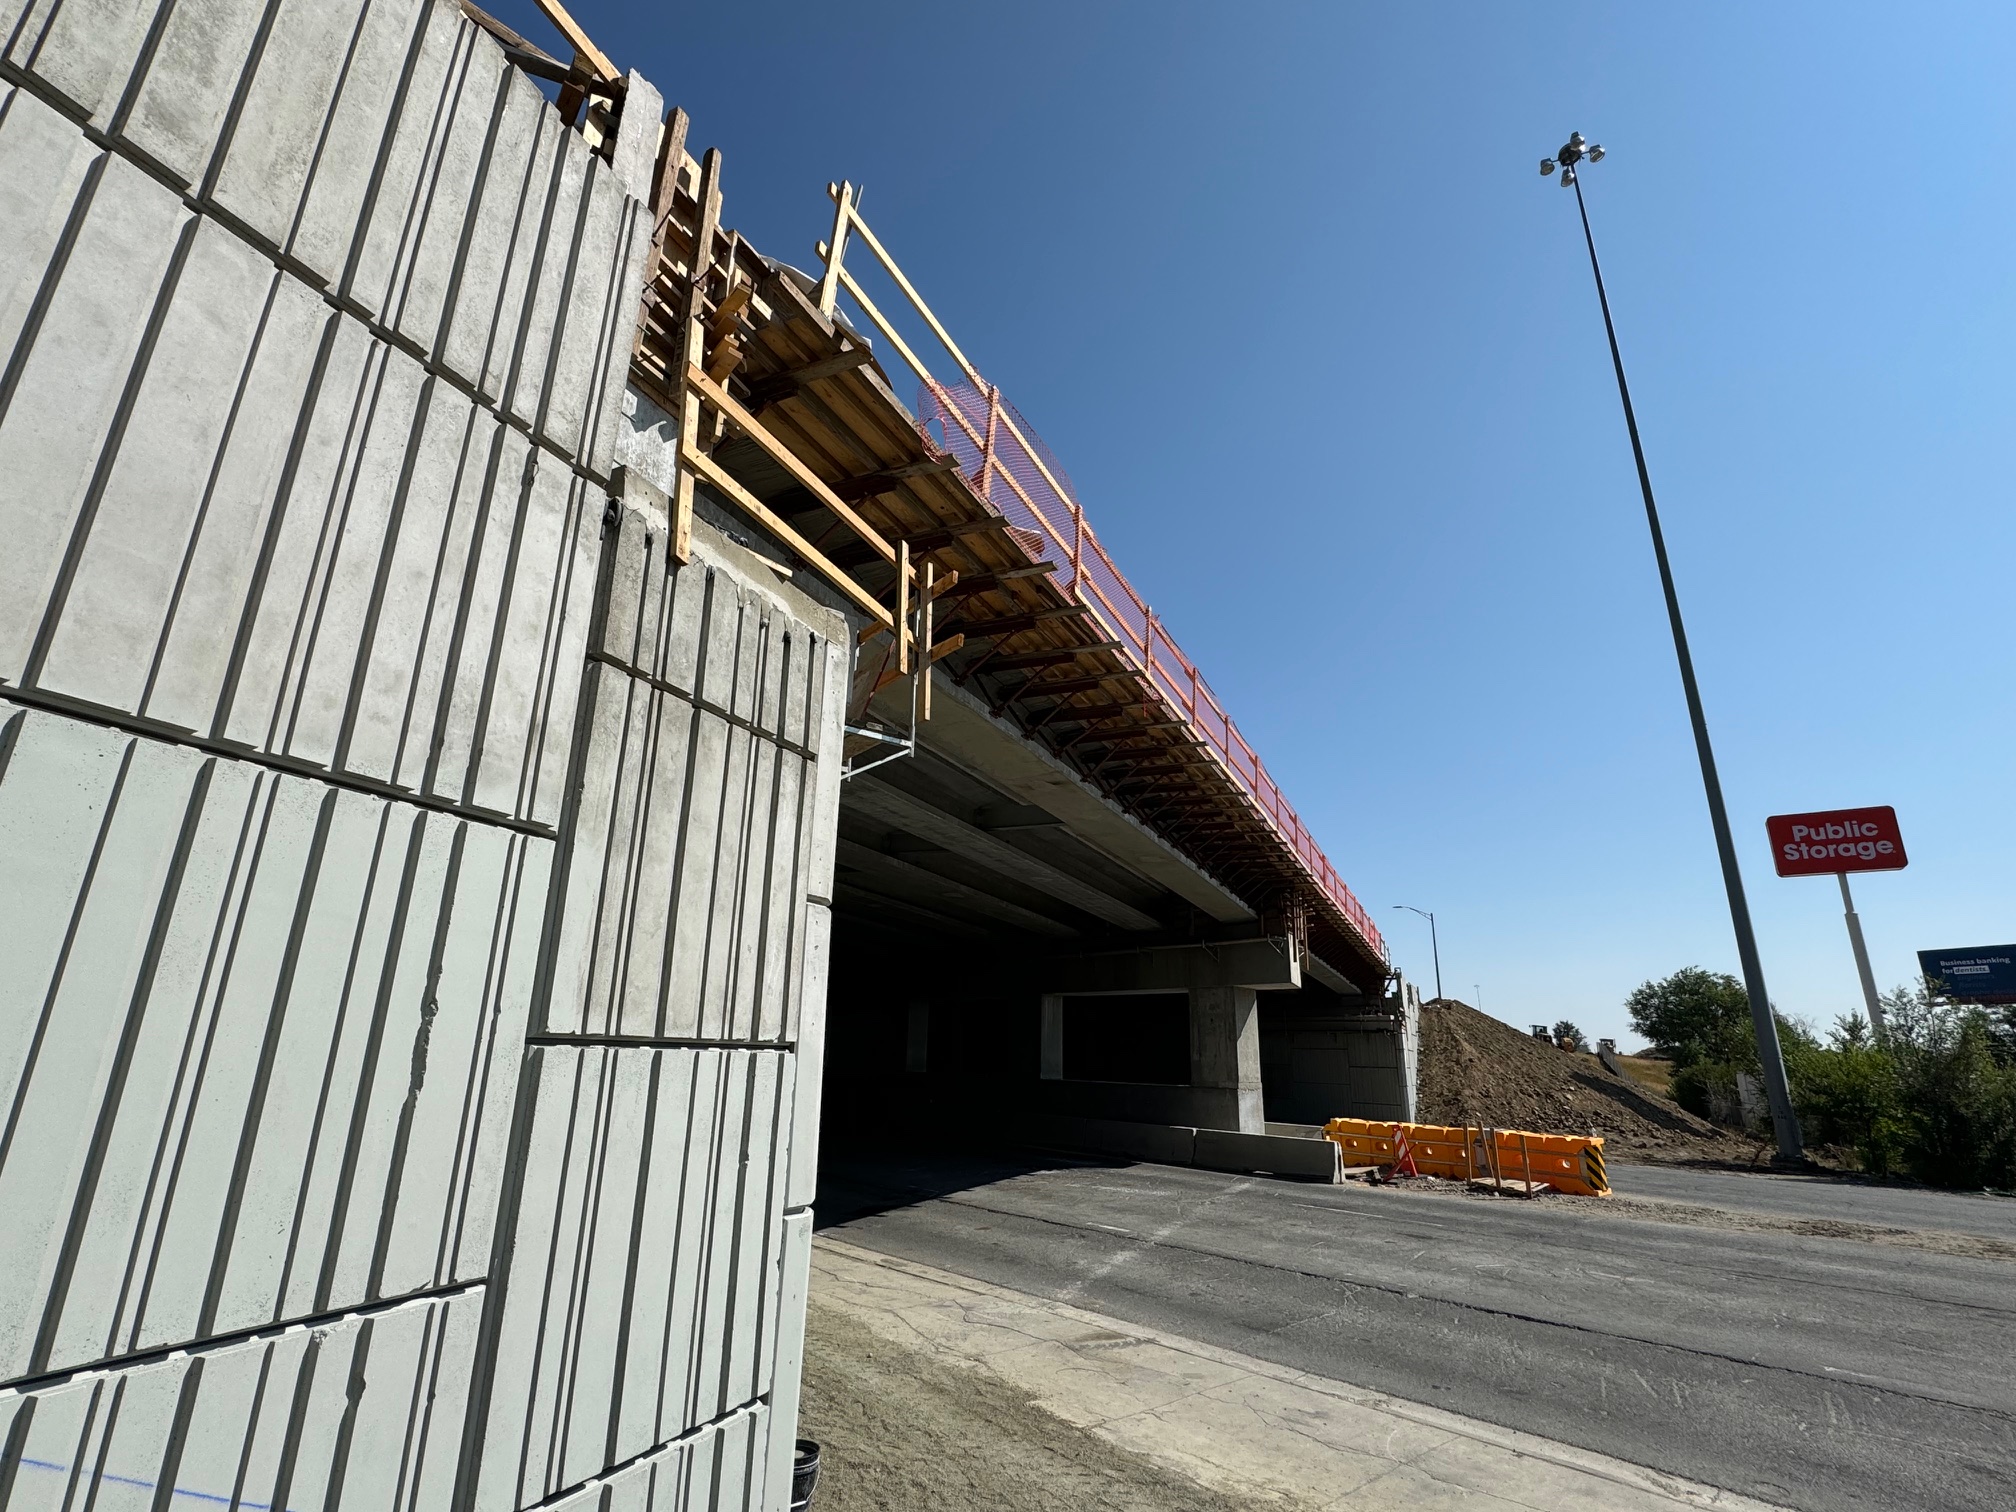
<point x="1052" y="1061"/>
<point x="1225" y="1049"/>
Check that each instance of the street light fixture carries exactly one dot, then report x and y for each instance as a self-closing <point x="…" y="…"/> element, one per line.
<point x="1784" y="1121"/>
<point x="1434" y="943"/>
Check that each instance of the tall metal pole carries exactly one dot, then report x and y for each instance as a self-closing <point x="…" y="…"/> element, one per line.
<point x="1869" y="996"/>
<point x="1785" y="1122"/>
<point x="1434" y="943"/>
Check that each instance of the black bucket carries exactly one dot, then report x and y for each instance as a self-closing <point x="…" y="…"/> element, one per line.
<point x="804" y="1475"/>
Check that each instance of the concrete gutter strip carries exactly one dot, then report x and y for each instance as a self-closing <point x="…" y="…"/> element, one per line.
<point x="1258" y="1433"/>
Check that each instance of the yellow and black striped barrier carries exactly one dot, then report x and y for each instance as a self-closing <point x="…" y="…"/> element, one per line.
<point x="1567" y="1162"/>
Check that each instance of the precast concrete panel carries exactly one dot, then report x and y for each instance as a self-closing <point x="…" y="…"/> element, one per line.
<point x="416" y="888"/>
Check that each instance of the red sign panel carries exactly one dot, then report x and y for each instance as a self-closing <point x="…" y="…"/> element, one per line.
<point x="1840" y="840"/>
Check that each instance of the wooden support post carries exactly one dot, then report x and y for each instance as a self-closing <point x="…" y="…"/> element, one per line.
<point x="927" y="591"/>
<point x="902" y="606"/>
<point x="1525" y="1165"/>
<point x="694" y="350"/>
<point x="836" y="249"/>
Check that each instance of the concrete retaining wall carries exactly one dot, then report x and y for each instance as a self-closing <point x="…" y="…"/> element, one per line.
<point x="1317" y="1066"/>
<point x="401" y="1031"/>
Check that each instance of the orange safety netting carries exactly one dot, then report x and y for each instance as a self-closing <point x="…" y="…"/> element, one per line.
<point x="1010" y="468"/>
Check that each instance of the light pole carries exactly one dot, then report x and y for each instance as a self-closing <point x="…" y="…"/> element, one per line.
<point x="1434" y="943"/>
<point x="1786" y="1124"/>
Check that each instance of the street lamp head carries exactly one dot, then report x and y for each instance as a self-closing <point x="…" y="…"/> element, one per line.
<point x="1577" y="149"/>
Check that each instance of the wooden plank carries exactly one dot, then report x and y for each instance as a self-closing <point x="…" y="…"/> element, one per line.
<point x="719" y="476"/>
<point x="868" y="485"/>
<point x="881" y="322"/>
<point x="776" y="387"/>
<point x="1015" y="624"/>
<point x="754" y="429"/>
<point x="910" y="293"/>
<point x="579" y="39"/>
<point x="692" y="339"/>
<point x="902" y="623"/>
<point x="829" y="286"/>
<point x="1048" y="657"/>
<point x="946" y="647"/>
<point x="927" y="590"/>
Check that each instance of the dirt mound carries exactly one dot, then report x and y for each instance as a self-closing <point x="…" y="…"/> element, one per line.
<point x="1476" y="1070"/>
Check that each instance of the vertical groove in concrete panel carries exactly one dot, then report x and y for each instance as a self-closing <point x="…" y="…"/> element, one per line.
<point x="62" y="394"/>
<point x="181" y="99"/>
<point x="491" y="233"/>
<point x="148" y="506"/>
<point x="189" y="669"/>
<point x="559" y="210"/>
<point x="336" y="198"/>
<point x="43" y="163"/>
<point x="264" y="168"/>
<point x="87" y="50"/>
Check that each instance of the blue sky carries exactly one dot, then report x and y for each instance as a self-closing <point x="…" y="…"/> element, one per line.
<point x="1282" y="286"/>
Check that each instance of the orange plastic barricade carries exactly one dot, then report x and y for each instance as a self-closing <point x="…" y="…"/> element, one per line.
<point x="1567" y="1162"/>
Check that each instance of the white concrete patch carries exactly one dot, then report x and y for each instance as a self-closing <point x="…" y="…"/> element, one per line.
<point x="1268" y="1435"/>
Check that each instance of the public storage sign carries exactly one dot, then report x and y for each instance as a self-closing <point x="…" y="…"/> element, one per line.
<point x="1840" y="840"/>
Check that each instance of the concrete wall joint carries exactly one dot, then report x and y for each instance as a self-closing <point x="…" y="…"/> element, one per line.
<point x="286" y="766"/>
<point x="211" y="1343"/>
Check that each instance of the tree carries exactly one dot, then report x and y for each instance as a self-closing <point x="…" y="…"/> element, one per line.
<point x="1695" y="1016"/>
<point x="1568" y="1037"/>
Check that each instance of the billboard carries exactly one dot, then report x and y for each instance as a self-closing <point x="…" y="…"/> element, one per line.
<point x="1979" y="974"/>
<point x="1836" y="840"/>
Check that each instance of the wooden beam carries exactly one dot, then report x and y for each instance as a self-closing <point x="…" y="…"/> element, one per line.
<point x="1048" y="658"/>
<point x="1015" y="624"/>
<point x="889" y="332"/>
<point x="719" y="476"/>
<point x="764" y="392"/>
<point x="829" y="286"/>
<point x="938" y="540"/>
<point x="813" y="484"/>
<point x="1036" y="688"/>
<point x="868" y="485"/>
<point x="579" y="39"/>
<point x="693" y="338"/>
<point x="910" y="293"/>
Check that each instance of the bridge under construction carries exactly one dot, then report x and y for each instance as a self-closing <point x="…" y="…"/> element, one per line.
<point x="522" y="714"/>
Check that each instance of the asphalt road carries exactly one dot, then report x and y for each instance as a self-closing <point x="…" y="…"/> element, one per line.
<point x="1824" y="1197"/>
<point x="1820" y="1373"/>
